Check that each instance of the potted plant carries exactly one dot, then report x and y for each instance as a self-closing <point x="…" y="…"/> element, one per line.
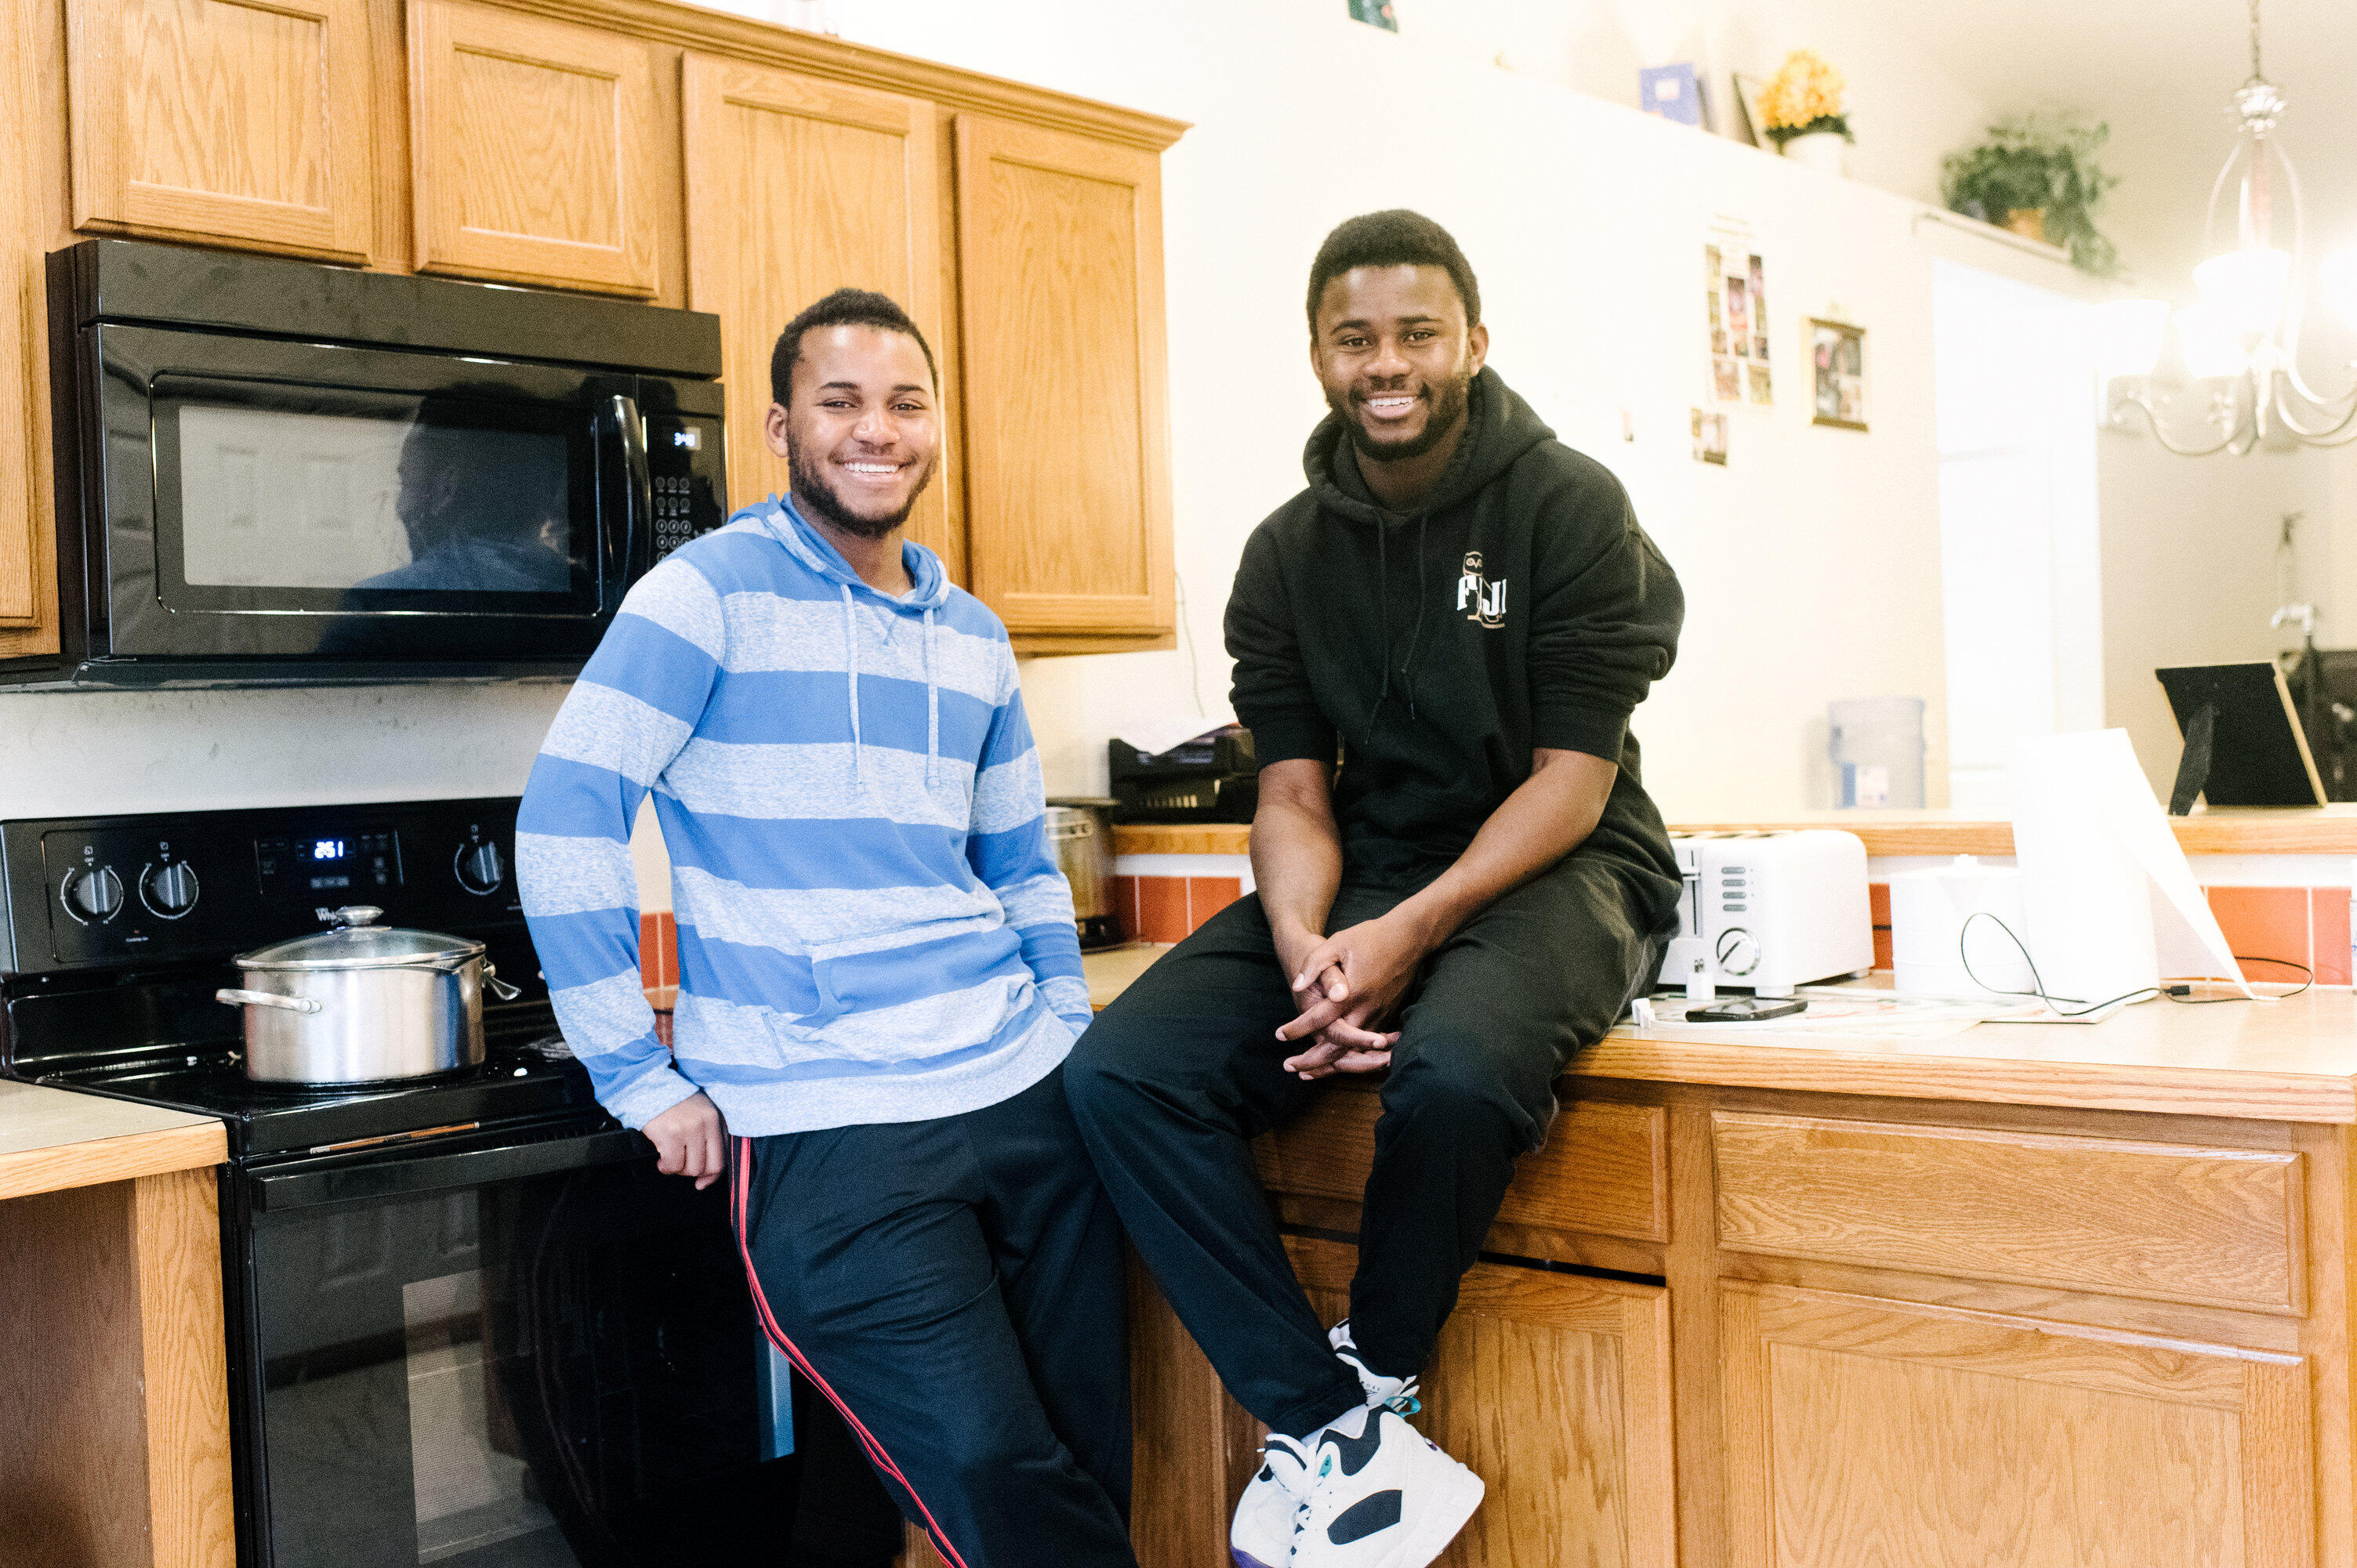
<point x="2039" y="178"/>
<point x="1801" y="110"/>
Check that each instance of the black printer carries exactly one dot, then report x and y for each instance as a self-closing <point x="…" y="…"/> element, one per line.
<point x="1211" y="779"/>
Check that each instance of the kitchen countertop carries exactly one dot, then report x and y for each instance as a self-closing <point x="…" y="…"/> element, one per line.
<point x="2294" y="1060"/>
<point x="51" y="1139"/>
<point x="2233" y="830"/>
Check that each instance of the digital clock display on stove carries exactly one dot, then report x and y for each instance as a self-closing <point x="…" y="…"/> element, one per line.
<point x="319" y="867"/>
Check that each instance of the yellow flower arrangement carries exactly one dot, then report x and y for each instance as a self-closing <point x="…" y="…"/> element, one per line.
<point x="1804" y="96"/>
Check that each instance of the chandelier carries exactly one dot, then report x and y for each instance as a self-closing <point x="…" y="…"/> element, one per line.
<point x="2239" y="343"/>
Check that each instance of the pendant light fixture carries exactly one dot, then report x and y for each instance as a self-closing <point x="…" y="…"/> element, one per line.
<point x="2239" y="342"/>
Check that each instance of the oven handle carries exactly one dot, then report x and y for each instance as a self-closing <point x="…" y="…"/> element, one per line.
<point x="381" y="1179"/>
<point x="638" y="516"/>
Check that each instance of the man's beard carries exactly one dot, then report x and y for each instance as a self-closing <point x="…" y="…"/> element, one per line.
<point x="1450" y="399"/>
<point x="813" y="492"/>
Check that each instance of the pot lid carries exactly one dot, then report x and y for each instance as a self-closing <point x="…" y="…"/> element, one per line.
<point x="357" y="943"/>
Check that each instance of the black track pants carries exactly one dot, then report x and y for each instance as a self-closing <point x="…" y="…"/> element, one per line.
<point x="955" y="1287"/>
<point x="1174" y="1080"/>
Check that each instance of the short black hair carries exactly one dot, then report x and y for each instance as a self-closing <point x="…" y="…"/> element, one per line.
<point x="844" y="307"/>
<point x="1393" y="238"/>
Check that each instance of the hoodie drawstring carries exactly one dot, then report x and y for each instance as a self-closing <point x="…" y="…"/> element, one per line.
<point x="1383" y="597"/>
<point x="932" y="704"/>
<point x="851" y="674"/>
<point x="1416" y="636"/>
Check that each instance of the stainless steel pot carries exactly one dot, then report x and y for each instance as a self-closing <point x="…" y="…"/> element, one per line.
<point x="1080" y="832"/>
<point x="363" y="1003"/>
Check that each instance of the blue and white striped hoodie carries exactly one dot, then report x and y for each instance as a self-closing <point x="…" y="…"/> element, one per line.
<point x="871" y="925"/>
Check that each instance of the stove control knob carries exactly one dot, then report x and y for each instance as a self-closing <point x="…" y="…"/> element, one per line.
<point x="480" y="867"/>
<point x="93" y="895"/>
<point x="169" y="890"/>
<point x="1738" y="951"/>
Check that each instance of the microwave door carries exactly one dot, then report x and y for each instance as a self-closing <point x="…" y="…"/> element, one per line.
<point x="297" y="499"/>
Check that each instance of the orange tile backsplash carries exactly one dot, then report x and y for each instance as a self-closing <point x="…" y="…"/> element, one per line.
<point x="2328" y="934"/>
<point x="2264" y="922"/>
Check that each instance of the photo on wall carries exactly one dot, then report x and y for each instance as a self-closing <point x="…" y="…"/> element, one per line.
<point x="1734" y="305"/>
<point x="1709" y="437"/>
<point x="1837" y="363"/>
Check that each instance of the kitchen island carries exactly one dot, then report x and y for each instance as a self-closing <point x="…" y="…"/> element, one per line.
<point x="2030" y="1295"/>
<point x="114" y="1394"/>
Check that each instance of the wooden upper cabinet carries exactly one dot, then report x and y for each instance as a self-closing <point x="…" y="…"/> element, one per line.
<point x="1068" y="481"/>
<point x="796" y="188"/>
<point x="223" y="121"/>
<point x="537" y="149"/>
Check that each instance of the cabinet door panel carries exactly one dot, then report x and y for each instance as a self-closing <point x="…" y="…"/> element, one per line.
<point x="1863" y="1432"/>
<point x="1060" y="251"/>
<point x="536" y="148"/>
<point x="1554" y="1389"/>
<point x="223" y="121"/>
<point x="797" y="187"/>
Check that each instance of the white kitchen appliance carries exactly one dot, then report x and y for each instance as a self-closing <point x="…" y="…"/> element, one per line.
<point x="1769" y="910"/>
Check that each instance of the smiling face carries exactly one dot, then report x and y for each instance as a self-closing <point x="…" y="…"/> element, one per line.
<point x="863" y="433"/>
<point x="1394" y="354"/>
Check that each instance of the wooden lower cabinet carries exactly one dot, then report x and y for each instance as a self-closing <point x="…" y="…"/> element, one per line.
<point x="1862" y="1433"/>
<point x="1570" y="1428"/>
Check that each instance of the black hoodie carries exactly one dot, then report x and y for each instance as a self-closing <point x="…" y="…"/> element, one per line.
<point x="1520" y="607"/>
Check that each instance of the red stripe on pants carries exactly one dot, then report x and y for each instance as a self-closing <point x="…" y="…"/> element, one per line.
<point x="739" y="1212"/>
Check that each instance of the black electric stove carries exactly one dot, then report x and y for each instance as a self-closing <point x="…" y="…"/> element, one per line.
<point x="468" y="1323"/>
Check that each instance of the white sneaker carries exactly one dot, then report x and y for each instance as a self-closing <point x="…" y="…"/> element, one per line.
<point x="1393" y="1393"/>
<point x="1386" y="1499"/>
<point x="1262" y="1535"/>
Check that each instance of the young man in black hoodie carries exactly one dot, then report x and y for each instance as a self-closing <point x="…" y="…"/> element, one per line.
<point x="1466" y="612"/>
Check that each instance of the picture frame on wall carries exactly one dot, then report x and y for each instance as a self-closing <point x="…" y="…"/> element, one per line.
<point x="1837" y="374"/>
<point x="1749" y="126"/>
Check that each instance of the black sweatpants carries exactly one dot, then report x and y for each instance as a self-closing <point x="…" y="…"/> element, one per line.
<point x="1176" y="1077"/>
<point x="955" y="1287"/>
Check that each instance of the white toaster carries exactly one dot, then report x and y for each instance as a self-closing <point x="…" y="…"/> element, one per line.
<point x="1769" y="910"/>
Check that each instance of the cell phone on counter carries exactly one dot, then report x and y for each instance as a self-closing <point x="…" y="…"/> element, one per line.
<point x="1746" y="1010"/>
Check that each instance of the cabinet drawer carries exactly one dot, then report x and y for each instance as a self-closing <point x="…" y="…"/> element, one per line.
<point x="2166" y="1221"/>
<point x="1604" y="1172"/>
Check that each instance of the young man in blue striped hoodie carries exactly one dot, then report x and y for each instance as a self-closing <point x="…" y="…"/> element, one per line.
<point x="880" y="972"/>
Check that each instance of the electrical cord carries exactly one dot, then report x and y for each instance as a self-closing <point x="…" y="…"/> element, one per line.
<point x="2080" y="1008"/>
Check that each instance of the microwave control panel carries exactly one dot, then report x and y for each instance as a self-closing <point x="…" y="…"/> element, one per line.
<point x="203" y="885"/>
<point x="683" y="460"/>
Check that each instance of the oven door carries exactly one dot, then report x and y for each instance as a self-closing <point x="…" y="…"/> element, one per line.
<point x="495" y="1352"/>
<point x="263" y="498"/>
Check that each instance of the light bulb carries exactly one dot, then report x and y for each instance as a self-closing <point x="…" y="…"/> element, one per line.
<point x="2129" y="337"/>
<point x="2338" y="276"/>
<point x="2211" y="342"/>
<point x="2246" y="288"/>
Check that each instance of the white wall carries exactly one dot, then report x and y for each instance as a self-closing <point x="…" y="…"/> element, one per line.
<point x="2188" y="576"/>
<point x="1811" y="561"/>
<point x="71" y="753"/>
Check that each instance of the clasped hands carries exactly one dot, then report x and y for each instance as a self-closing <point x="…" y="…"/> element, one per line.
<point x="1348" y="986"/>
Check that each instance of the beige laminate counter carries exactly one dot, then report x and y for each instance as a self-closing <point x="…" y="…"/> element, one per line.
<point x="2319" y="830"/>
<point x="51" y="1139"/>
<point x="1864" y="1296"/>
<point x="114" y="1384"/>
<point x="2294" y="1060"/>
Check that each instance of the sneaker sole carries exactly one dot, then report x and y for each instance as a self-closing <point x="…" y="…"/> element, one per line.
<point x="1451" y="1512"/>
<point x="1246" y="1560"/>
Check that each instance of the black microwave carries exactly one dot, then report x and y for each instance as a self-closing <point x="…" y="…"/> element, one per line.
<point x="278" y="472"/>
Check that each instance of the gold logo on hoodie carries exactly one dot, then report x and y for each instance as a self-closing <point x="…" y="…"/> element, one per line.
<point x="1482" y="600"/>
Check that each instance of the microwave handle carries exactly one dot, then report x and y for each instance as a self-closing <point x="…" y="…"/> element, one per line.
<point x="637" y="525"/>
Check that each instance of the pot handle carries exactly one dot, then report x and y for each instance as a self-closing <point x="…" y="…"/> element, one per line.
<point x="497" y="987"/>
<point x="269" y="999"/>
